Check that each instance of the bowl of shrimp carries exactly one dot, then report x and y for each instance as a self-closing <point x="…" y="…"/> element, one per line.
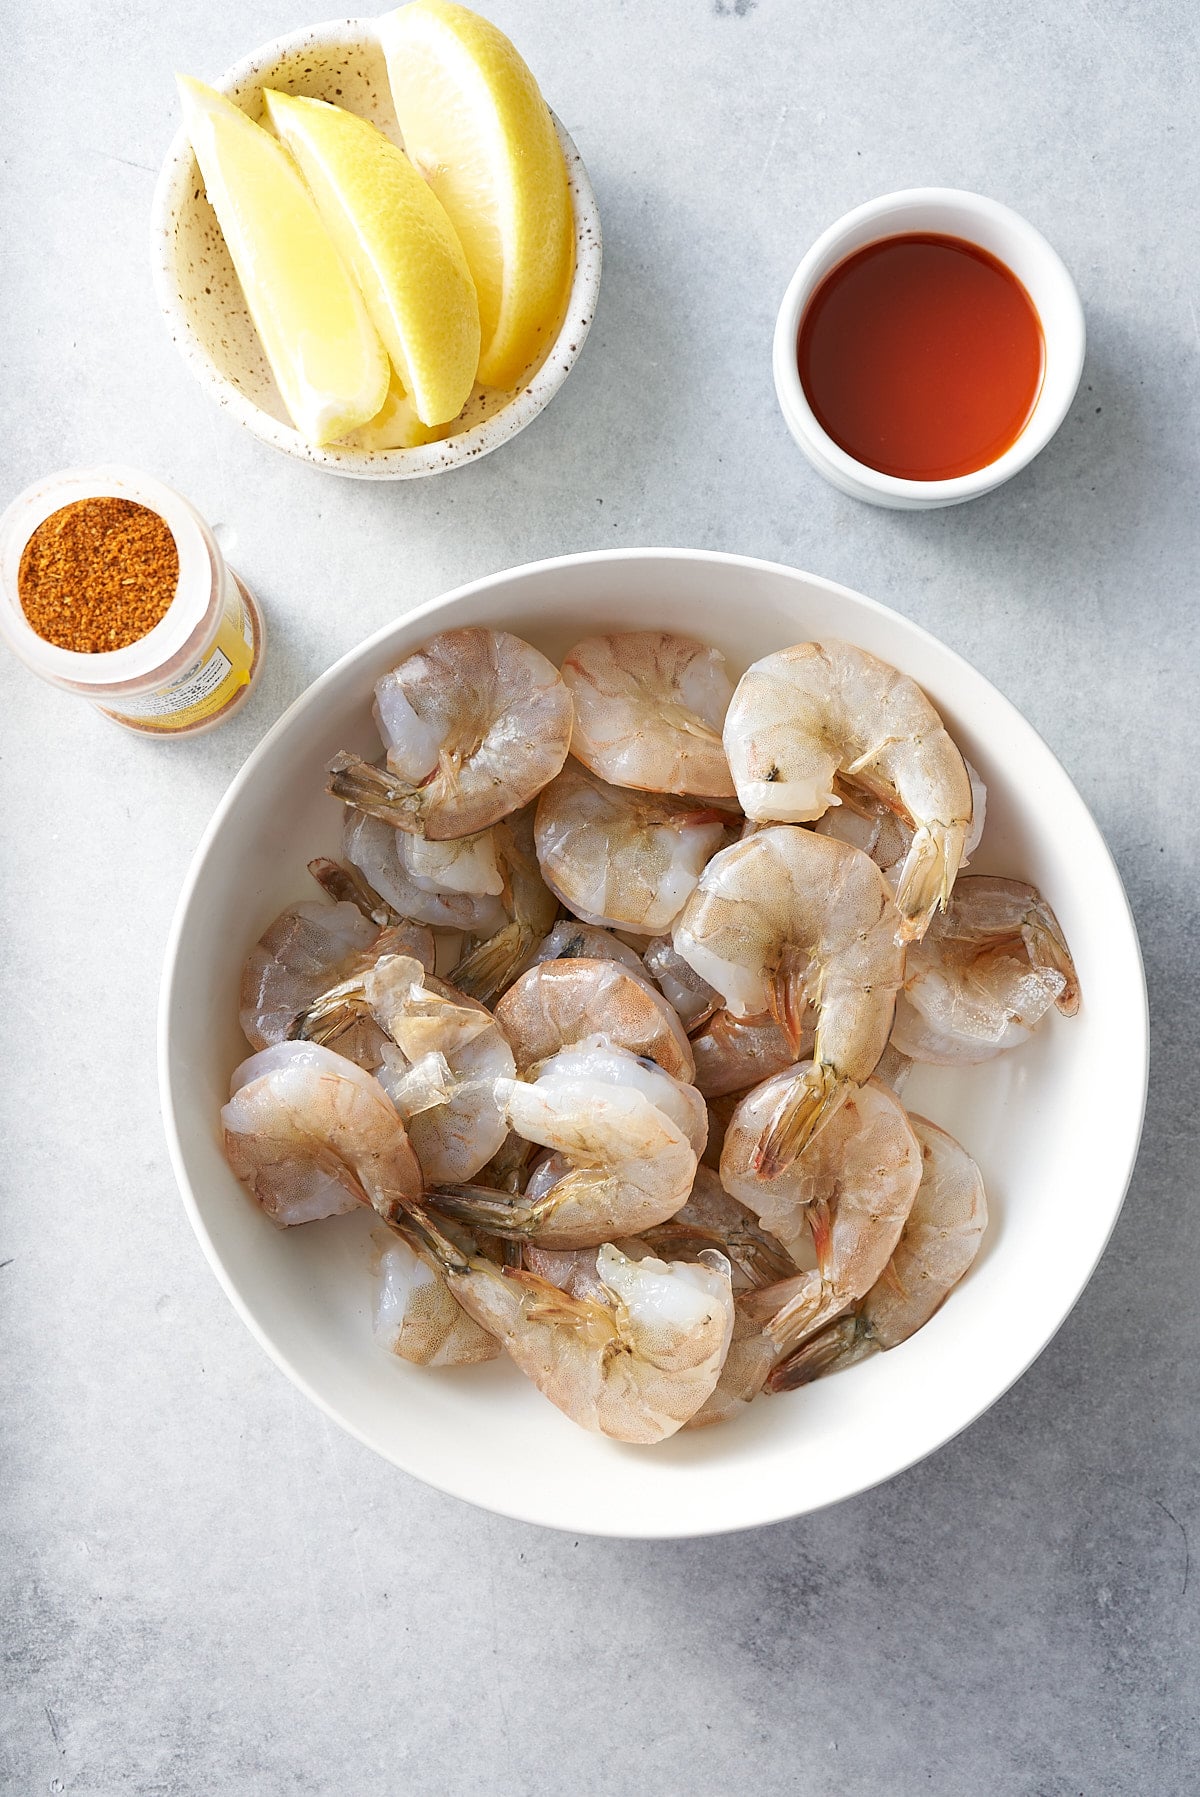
<point x="641" y="1076"/>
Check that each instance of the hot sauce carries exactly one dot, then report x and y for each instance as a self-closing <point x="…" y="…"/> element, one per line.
<point x="922" y="356"/>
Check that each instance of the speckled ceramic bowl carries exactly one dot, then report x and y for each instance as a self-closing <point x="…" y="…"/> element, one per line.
<point x="208" y="317"/>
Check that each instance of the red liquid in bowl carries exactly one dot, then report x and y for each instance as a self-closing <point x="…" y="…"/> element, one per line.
<point x="922" y="356"/>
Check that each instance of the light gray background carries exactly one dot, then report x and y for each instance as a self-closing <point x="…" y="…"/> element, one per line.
<point x="210" y="1589"/>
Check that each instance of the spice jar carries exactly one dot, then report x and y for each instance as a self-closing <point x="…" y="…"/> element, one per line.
<point x="193" y="667"/>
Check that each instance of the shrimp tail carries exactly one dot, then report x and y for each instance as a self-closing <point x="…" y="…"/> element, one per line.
<point x="547" y="1303"/>
<point x="806" y="1106"/>
<point x="500" y="1213"/>
<point x="373" y="790"/>
<point x="415" y="1226"/>
<point x="806" y="1314"/>
<point x="928" y="874"/>
<point x="756" y="1255"/>
<point x="489" y="969"/>
<point x="345" y="884"/>
<point x="791" y="1322"/>
<point x="820" y="1228"/>
<point x="1048" y="948"/>
<point x="330" y="1015"/>
<point x="761" y="1262"/>
<point x="787" y="998"/>
<point x="842" y="1344"/>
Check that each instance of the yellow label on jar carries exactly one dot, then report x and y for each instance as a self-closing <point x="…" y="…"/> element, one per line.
<point x="212" y="685"/>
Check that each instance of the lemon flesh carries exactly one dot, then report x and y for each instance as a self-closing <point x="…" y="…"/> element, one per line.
<point x="324" y="352"/>
<point x="396" y="425"/>
<point x="402" y="249"/>
<point x="475" y="124"/>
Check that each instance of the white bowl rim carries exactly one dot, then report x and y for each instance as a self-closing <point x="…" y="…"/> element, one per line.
<point x="1136" y="1046"/>
<point x="820" y="446"/>
<point x="373" y="464"/>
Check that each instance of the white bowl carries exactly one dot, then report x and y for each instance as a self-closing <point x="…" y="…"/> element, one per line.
<point x="1011" y="240"/>
<point x="1054" y="1125"/>
<point x="207" y="313"/>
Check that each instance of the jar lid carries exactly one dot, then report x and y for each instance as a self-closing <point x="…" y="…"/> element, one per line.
<point x="198" y="563"/>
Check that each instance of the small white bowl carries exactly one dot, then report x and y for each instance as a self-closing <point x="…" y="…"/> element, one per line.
<point x="1008" y="237"/>
<point x="1053" y="1125"/>
<point x="207" y="313"/>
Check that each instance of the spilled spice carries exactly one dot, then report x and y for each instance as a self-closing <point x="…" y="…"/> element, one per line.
<point x="98" y="574"/>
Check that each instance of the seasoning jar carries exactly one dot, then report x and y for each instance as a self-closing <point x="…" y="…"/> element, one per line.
<point x="192" y="668"/>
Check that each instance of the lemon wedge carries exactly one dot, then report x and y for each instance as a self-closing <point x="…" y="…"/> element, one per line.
<point x="396" y="425"/>
<point x="324" y="352"/>
<point x="397" y="240"/>
<point x="475" y="124"/>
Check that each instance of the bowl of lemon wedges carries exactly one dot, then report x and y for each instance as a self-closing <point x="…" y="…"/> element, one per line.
<point x="375" y="244"/>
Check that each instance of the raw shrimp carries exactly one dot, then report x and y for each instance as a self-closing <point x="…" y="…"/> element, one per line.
<point x="443" y="1073"/>
<point x="308" y="948"/>
<point x="819" y="714"/>
<point x="734" y="1053"/>
<point x="492" y="965"/>
<point x="938" y="1243"/>
<point x="712" y="1219"/>
<point x="850" y="1192"/>
<point x="875" y="829"/>
<point x="346" y="885"/>
<point x="468" y="864"/>
<point x="560" y="1004"/>
<point x="570" y="939"/>
<point x="418" y="1318"/>
<point x="465" y="864"/>
<point x="313" y="1135"/>
<point x="709" y="1219"/>
<point x="620" y="858"/>
<point x="627" y="1139"/>
<point x="787" y="918"/>
<point x="692" y="998"/>
<point x="870" y="826"/>
<point x="633" y="1359"/>
<point x="475" y="724"/>
<point x="379" y="853"/>
<point x="508" y="1169"/>
<point x="572" y="1270"/>
<point x="649" y="708"/>
<point x="442" y="1058"/>
<point x="985" y="976"/>
<point x="752" y="1354"/>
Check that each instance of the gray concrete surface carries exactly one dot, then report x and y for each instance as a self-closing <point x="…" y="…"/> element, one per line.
<point x="207" y="1589"/>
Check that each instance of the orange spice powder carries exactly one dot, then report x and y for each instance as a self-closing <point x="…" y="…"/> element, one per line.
<point x="98" y="574"/>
